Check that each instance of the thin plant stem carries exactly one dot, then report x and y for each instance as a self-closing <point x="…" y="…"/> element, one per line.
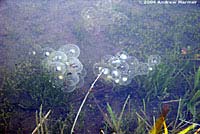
<point x="143" y="120"/>
<point x="171" y="101"/>
<point x="145" y="116"/>
<point x="121" y="114"/>
<point x="45" y="127"/>
<point x="81" y="106"/>
<point x="40" y="115"/>
<point x="178" y="112"/>
<point x="39" y="125"/>
<point x="190" y="122"/>
<point x="105" y="116"/>
<point x="154" y="121"/>
<point x="37" y="121"/>
<point x="62" y="128"/>
<point x="144" y="105"/>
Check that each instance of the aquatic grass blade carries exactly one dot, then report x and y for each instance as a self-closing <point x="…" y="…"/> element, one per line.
<point x="165" y="128"/>
<point x="122" y="112"/>
<point x="112" y="116"/>
<point x="187" y="129"/>
<point x="197" y="79"/>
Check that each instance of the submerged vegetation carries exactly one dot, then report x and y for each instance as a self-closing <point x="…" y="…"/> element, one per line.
<point x="164" y="100"/>
<point x="28" y="86"/>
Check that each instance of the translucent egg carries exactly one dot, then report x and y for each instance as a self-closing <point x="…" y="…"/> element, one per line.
<point x="89" y="13"/>
<point x="133" y="66"/>
<point x="108" y="78"/>
<point x="104" y="5"/>
<point x="125" y="79"/>
<point x="106" y="74"/>
<point x="80" y="83"/>
<point x="132" y="72"/>
<point x="142" y="69"/>
<point x="151" y="67"/>
<point x="34" y="50"/>
<point x="45" y="64"/>
<point x="74" y="65"/>
<point x="123" y="67"/>
<point x="116" y="81"/>
<point x="57" y="68"/>
<point x="83" y="73"/>
<point x="104" y="19"/>
<point x="46" y="52"/>
<point x="98" y="67"/>
<point x="115" y="74"/>
<point x="68" y="89"/>
<point x="106" y="70"/>
<point x="132" y="62"/>
<point x="71" y="50"/>
<point x="92" y="27"/>
<point x="122" y="55"/>
<point x="116" y="1"/>
<point x="106" y="58"/>
<point x="154" y="60"/>
<point x="58" y="56"/>
<point x="115" y="62"/>
<point x="119" y="18"/>
<point x="71" y="79"/>
<point x="58" y="80"/>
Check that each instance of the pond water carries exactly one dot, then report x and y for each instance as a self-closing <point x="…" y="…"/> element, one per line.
<point x="144" y="54"/>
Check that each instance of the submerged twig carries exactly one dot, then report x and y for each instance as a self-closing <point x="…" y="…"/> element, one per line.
<point x="90" y="89"/>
